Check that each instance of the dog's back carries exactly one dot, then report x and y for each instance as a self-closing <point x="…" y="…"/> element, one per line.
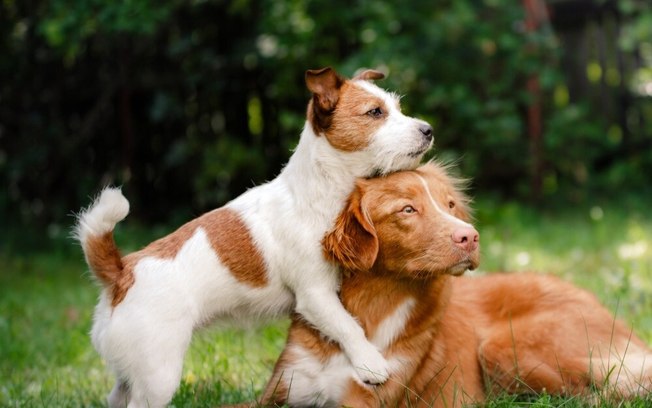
<point x="539" y="333"/>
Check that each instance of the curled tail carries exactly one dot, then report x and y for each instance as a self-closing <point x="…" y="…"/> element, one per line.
<point x="94" y="230"/>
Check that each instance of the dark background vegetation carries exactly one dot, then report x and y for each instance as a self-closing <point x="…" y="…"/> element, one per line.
<point x="188" y="103"/>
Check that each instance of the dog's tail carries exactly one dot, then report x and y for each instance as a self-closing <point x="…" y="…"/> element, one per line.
<point x="94" y="230"/>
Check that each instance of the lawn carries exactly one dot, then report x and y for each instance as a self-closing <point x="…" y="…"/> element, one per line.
<point x="47" y="297"/>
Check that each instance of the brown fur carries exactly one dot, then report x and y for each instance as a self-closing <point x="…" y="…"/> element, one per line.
<point x="325" y="85"/>
<point x="234" y="245"/>
<point x="465" y="336"/>
<point x="227" y="233"/>
<point x="339" y="109"/>
<point x="370" y="75"/>
<point x="103" y="257"/>
<point x="353" y="241"/>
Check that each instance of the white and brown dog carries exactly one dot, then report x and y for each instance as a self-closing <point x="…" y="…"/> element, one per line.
<point x="258" y="256"/>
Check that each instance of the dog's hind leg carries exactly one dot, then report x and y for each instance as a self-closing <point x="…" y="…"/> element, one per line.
<point x="155" y="365"/>
<point x="120" y="395"/>
<point x="157" y="388"/>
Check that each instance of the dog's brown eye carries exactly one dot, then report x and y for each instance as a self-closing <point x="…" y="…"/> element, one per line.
<point x="451" y="204"/>
<point x="408" y="209"/>
<point x="376" y="113"/>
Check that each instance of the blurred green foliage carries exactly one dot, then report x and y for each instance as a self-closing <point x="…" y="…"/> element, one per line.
<point x="188" y="103"/>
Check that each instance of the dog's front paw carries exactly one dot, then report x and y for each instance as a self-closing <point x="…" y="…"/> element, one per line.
<point x="372" y="368"/>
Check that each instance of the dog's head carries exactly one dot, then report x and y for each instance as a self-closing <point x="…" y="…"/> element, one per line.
<point x="412" y="223"/>
<point x="355" y="115"/>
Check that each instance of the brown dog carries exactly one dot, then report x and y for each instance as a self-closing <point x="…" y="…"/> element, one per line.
<point x="449" y="340"/>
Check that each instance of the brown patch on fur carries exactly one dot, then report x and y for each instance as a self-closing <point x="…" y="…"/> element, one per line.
<point x="229" y="237"/>
<point x="234" y="244"/>
<point x="351" y="124"/>
<point x="104" y="259"/>
<point x="339" y="109"/>
<point x="227" y="233"/>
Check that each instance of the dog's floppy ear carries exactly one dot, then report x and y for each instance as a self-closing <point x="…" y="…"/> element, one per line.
<point x="325" y="86"/>
<point x="370" y="75"/>
<point x="353" y="241"/>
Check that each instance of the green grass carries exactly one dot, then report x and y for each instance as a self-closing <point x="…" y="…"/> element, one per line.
<point x="47" y="298"/>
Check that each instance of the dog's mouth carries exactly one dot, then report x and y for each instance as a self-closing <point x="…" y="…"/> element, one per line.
<point x="417" y="153"/>
<point x="461" y="267"/>
<point x="458" y="269"/>
<point x="425" y="146"/>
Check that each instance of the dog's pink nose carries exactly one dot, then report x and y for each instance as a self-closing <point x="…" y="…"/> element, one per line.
<point x="466" y="238"/>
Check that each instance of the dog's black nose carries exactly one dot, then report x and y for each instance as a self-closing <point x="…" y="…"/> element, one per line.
<point x="426" y="131"/>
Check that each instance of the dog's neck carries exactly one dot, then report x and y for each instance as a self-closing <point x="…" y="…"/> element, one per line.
<point x="371" y="296"/>
<point x="325" y="175"/>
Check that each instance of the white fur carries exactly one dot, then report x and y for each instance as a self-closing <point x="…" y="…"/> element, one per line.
<point x="443" y="213"/>
<point x="393" y="325"/>
<point x="387" y="141"/>
<point x="313" y="383"/>
<point x="108" y="209"/>
<point x="317" y="383"/>
<point x="144" y="337"/>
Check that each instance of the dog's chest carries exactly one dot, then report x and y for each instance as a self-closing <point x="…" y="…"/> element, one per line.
<point x="317" y="380"/>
